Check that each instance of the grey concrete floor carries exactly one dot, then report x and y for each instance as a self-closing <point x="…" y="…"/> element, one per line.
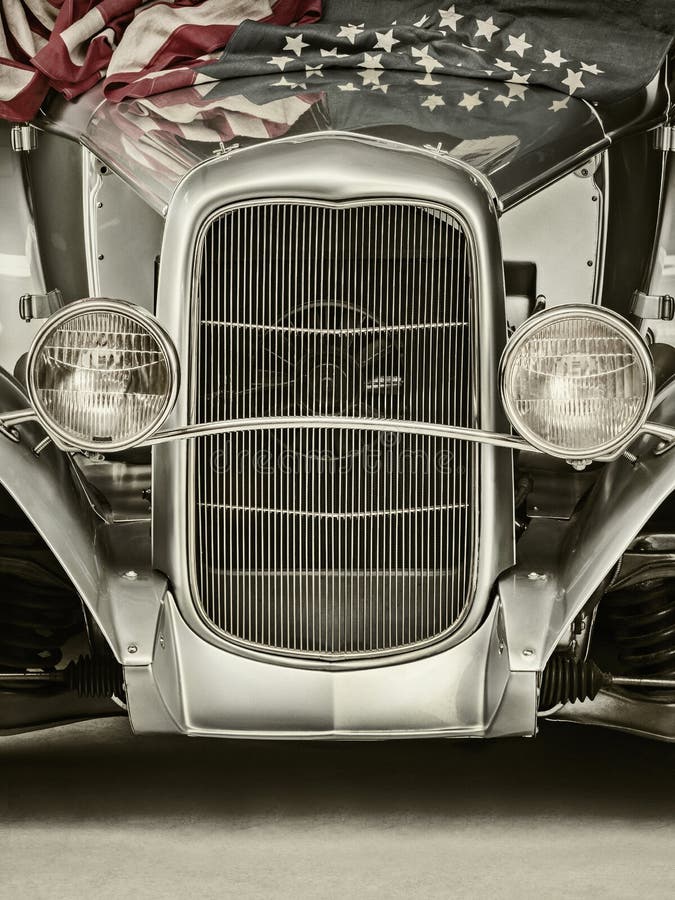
<point x="87" y="810"/>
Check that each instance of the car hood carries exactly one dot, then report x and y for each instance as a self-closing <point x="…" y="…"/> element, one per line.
<point x="518" y="137"/>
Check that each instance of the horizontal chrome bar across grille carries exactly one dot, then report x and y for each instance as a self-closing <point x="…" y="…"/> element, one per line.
<point x="329" y="540"/>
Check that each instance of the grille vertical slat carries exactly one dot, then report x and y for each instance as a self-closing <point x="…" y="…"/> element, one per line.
<point x="322" y="539"/>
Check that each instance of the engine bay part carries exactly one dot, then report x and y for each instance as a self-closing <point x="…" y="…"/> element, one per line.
<point x="39" y="611"/>
<point x="99" y="677"/>
<point x="641" y="620"/>
<point x="569" y="680"/>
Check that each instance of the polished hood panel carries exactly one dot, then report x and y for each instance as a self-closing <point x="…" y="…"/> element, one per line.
<point x="518" y="137"/>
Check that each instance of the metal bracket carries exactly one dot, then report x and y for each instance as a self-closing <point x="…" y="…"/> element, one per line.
<point x="438" y="150"/>
<point x="10" y="432"/>
<point x="664" y="138"/>
<point x="40" y="306"/>
<point x="589" y="168"/>
<point x="24" y="138"/>
<point x="224" y="151"/>
<point x="651" y="306"/>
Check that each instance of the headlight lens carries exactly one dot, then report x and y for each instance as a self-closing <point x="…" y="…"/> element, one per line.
<point x="577" y="382"/>
<point x="102" y="375"/>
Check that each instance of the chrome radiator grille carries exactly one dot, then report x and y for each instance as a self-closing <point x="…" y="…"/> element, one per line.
<point x="316" y="538"/>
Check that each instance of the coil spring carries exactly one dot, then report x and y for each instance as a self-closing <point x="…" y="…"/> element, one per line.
<point x="642" y="620"/>
<point x="568" y="680"/>
<point x="99" y="677"/>
<point x="39" y="610"/>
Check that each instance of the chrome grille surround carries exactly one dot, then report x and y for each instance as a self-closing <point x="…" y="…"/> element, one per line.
<point x="358" y="577"/>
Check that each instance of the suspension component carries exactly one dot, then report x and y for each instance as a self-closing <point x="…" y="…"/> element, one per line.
<point x="99" y="677"/>
<point x="642" y="620"/>
<point x="39" y="610"/>
<point x="567" y="680"/>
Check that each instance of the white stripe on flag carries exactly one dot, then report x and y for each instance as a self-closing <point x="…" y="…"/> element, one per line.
<point x="152" y="28"/>
<point x="13" y="81"/>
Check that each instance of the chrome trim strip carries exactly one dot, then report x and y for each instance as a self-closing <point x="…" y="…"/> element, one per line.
<point x="16" y="418"/>
<point x="597" y="116"/>
<point x="666" y="432"/>
<point x="475" y="435"/>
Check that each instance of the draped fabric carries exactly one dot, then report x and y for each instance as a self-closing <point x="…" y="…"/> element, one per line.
<point x="600" y="51"/>
<point x="70" y="45"/>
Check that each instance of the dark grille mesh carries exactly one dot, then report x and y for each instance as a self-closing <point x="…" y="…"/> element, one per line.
<point x="328" y="539"/>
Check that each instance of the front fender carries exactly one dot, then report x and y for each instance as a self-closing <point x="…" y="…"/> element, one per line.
<point x="94" y="553"/>
<point x="561" y="564"/>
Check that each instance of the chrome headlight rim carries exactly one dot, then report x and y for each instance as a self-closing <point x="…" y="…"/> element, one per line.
<point x="610" y="449"/>
<point x="141" y="317"/>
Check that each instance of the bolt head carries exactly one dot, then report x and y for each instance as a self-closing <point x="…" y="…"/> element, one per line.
<point x="132" y="648"/>
<point x="528" y="651"/>
<point x="131" y="575"/>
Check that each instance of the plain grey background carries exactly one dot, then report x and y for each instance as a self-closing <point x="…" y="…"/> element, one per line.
<point x="88" y="810"/>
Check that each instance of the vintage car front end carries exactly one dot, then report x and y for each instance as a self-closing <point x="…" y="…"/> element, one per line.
<point x="323" y="530"/>
<point x="336" y="544"/>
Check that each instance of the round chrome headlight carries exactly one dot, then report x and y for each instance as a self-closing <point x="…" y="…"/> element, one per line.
<point x="102" y="375"/>
<point x="577" y="382"/>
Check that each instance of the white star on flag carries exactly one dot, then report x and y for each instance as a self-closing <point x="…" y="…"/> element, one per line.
<point x="427" y="80"/>
<point x="517" y="45"/>
<point x="333" y="52"/>
<point x="348" y="87"/>
<point x="553" y="58"/>
<point x="351" y="31"/>
<point x="557" y="105"/>
<point x="449" y="18"/>
<point x="385" y="40"/>
<point x="516" y="90"/>
<point x="427" y="62"/>
<point x="486" y="28"/>
<point x="281" y="61"/>
<point x="284" y="82"/>
<point x="371" y="76"/>
<point x="380" y="87"/>
<point x="573" y="81"/>
<point x="517" y="78"/>
<point x="295" y="44"/>
<point x="432" y="101"/>
<point x="371" y="61"/>
<point x="468" y="101"/>
<point x="314" y="71"/>
<point x="421" y="22"/>
<point x="504" y="64"/>
<point x="592" y="69"/>
<point x="507" y="101"/>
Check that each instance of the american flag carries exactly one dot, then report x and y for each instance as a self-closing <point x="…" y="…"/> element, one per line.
<point x="599" y="51"/>
<point x="70" y="45"/>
